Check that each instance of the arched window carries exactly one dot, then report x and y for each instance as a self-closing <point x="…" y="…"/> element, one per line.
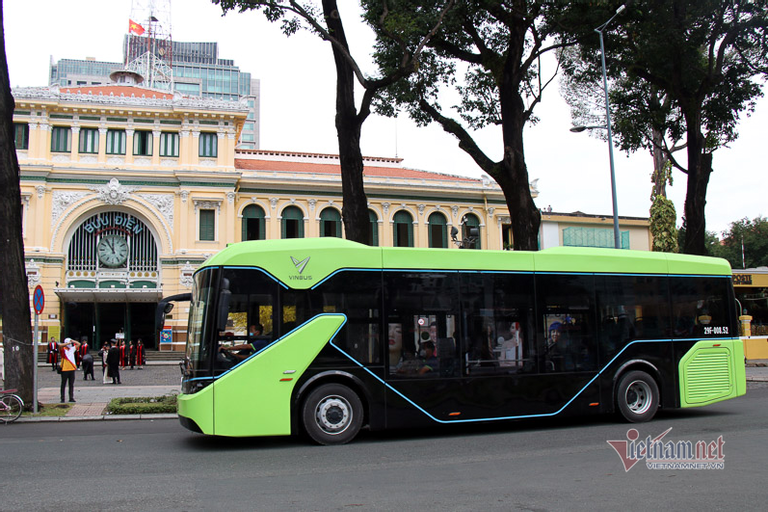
<point x="403" y="229"/>
<point x="438" y="231"/>
<point x="253" y="223"/>
<point x="292" y="225"/>
<point x="373" y="237"/>
<point x="471" y="222"/>
<point x="330" y="222"/>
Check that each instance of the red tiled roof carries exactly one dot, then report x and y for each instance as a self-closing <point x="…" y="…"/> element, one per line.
<point x="117" y="90"/>
<point x="317" y="168"/>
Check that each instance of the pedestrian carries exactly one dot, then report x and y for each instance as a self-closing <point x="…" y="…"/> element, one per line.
<point x="53" y="353"/>
<point x="123" y="354"/>
<point x="132" y="354"/>
<point x="82" y="350"/>
<point x="113" y="362"/>
<point x="88" y="367"/>
<point x="141" y="356"/>
<point x="103" y="355"/>
<point x="67" y="351"/>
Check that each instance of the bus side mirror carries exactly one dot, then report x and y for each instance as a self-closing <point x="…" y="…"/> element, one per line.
<point x="160" y="313"/>
<point x="166" y="305"/>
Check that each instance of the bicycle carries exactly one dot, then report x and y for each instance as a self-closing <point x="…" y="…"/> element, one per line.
<point x="11" y="405"/>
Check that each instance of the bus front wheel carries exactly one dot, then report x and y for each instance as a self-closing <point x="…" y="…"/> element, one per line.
<point x="637" y="397"/>
<point x="332" y="414"/>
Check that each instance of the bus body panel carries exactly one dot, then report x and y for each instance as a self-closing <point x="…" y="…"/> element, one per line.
<point x="264" y="382"/>
<point x="198" y="408"/>
<point x="451" y="259"/>
<point x="251" y="399"/>
<point x="299" y="263"/>
<point x="712" y="371"/>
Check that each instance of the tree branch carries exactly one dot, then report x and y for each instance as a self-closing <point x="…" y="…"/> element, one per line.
<point x="465" y="140"/>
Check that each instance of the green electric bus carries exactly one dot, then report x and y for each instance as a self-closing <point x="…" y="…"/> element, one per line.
<point x="325" y="336"/>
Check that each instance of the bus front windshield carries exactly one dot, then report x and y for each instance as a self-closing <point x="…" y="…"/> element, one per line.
<point x="197" y="356"/>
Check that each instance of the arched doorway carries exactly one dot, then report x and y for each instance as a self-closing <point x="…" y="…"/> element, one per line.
<point x="111" y="280"/>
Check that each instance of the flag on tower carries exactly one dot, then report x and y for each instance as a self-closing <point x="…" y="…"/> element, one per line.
<point x="135" y="27"/>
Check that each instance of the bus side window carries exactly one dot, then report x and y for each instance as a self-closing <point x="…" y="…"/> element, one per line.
<point x="568" y="305"/>
<point x="498" y="326"/>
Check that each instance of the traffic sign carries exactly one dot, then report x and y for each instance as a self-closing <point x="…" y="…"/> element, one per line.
<point x="38" y="298"/>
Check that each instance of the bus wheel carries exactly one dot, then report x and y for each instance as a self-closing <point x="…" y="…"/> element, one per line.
<point x="637" y="397"/>
<point x="332" y="414"/>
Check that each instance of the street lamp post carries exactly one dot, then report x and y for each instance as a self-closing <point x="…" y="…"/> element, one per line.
<point x="599" y="30"/>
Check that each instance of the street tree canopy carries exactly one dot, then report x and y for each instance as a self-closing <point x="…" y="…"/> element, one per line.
<point x="745" y="244"/>
<point x="497" y="46"/>
<point x="701" y="59"/>
<point x="326" y="22"/>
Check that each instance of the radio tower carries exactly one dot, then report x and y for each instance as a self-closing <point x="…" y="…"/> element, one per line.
<point x="149" y="46"/>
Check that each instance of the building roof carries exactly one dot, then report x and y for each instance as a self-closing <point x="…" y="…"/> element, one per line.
<point x="114" y="95"/>
<point x="319" y="163"/>
<point x="117" y="90"/>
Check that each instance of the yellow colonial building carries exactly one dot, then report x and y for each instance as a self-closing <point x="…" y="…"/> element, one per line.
<point x="127" y="190"/>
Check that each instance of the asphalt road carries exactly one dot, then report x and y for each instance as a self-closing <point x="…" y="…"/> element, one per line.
<point x="565" y="465"/>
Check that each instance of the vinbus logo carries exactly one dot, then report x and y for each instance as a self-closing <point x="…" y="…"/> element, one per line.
<point x="659" y="454"/>
<point x="300" y="266"/>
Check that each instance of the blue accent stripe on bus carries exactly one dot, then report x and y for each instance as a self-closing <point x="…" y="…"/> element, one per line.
<point x="276" y="341"/>
<point x="473" y="271"/>
<point x="524" y="416"/>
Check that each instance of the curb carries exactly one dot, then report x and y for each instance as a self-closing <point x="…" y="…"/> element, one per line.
<point x="105" y="417"/>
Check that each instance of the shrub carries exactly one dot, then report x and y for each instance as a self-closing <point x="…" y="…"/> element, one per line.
<point x="142" y="405"/>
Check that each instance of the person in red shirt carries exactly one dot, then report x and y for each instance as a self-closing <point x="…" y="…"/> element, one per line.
<point x="131" y="354"/>
<point x="123" y="354"/>
<point x="141" y="356"/>
<point x="53" y="353"/>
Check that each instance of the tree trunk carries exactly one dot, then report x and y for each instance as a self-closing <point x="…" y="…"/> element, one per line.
<point x="14" y="295"/>
<point x="348" y="125"/>
<point x="524" y="215"/>
<point x="513" y="177"/>
<point x="699" y="170"/>
<point x="659" y="163"/>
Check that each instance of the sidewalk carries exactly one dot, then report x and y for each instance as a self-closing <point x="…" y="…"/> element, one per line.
<point x="92" y="397"/>
<point x="163" y="379"/>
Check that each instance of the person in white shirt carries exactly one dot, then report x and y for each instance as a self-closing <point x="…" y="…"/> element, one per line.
<point x="67" y="350"/>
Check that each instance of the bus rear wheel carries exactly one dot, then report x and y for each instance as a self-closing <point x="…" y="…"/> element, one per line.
<point x="332" y="414"/>
<point x="637" y="397"/>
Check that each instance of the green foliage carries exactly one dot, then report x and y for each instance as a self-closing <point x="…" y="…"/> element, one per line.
<point x="745" y="244"/>
<point x="680" y="69"/>
<point x="489" y="53"/>
<point x="143" y="405"/>
<point x="663" y="220"/>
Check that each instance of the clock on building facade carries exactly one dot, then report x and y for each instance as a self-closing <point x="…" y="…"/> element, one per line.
<point x="112" y="250"/>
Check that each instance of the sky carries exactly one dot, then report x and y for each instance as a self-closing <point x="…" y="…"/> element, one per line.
<point x="298" y="96"/>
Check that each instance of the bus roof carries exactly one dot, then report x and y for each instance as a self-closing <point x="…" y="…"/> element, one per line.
<point x="304" y="262"/>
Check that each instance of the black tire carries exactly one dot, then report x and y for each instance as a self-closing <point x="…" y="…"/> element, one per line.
<point x="332" y="414"/>
<point x="11" y="408"/>
<point x="637" y="397"/>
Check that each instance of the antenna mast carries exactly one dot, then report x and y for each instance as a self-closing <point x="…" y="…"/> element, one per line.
<point x="149" y="51"/>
